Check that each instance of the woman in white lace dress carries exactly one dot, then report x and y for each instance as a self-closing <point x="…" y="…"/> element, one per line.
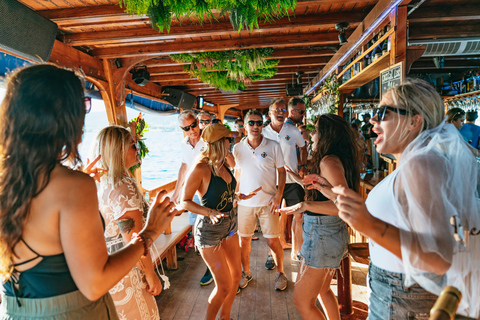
<point x="124" y="209"/>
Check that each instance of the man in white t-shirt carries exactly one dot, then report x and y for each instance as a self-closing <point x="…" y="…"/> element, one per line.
<point x="289" y="138"/>
<point x="258" y="161"/>
<point x="192" y="146"/>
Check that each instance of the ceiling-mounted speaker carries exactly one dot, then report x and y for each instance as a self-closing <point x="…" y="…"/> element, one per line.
<point x="178" y="98"/>
<point x="141" y="76"/>
<point x="25" y="33"/>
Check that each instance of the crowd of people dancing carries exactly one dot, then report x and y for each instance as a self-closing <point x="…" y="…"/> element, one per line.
<point x="75" y="239"/>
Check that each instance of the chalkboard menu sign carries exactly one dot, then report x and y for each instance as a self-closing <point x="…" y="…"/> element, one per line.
<point x="390" y="77"/>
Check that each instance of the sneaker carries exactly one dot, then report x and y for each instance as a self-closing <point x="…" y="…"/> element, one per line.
<point x="246" y="278"/>
<point x="238" y="290"/>
<point x="280" y="282"/>
<point x="270" y="263"/>
<point x="207" y="278"/>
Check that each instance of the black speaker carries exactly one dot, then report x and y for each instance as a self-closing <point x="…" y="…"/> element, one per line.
<point x="178" y="98"/>
<point x="141" y="76"/>
<point x="25" y="33"/>
<point x="294" y="90"/>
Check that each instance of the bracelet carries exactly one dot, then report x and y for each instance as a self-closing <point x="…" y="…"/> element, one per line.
<point x="385" y="231"/>
<point x="144" y="240"/>
<point x="335" y="201"/>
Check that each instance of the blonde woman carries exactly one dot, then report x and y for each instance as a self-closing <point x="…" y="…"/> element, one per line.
<point x="216" y="225"/>
<point x="124" y="210"/>
<point x="423" y="218"/>
<point x="53" y="258"/>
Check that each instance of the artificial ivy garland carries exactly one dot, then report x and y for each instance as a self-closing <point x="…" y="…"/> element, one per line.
<point x="138" y="127"/>
<point x="229" y="70"/>
<point x="243" y="13"/>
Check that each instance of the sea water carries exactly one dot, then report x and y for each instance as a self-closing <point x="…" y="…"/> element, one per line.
<point x="163" y="139"/>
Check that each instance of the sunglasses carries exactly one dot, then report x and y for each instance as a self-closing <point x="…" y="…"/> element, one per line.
<point x="251" y="123"/>
<point x="204" y="122"/>
<point x="279" y="110"/>
<point x="230" y="139"/>
<point x="88" y="104"/>
<point x="191" y="126"/>
<point x="380" y="112"/>
<point x="240" y="125"/>
<point x="301" y="111"/>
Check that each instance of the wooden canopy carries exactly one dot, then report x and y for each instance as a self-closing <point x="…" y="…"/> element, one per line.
<point x="93" y="34"/>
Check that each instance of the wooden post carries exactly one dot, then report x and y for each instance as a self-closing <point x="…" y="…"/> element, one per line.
<point x="344" y="286"/>
<point x="117" y="107"/>
<point x="223" y="108"/>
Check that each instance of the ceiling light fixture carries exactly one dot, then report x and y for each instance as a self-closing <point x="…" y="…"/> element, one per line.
<point x="141" y="76"/>
<point x="341" y="27"/>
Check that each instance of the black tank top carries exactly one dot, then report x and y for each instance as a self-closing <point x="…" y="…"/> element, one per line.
<point x="49" y="278"/>
<point x="220" y="195"/>
<point x="318" y="196"/>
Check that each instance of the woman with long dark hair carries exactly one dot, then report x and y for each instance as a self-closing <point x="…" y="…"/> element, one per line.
<point x="336" y="157"/>
<point x="53" y="257"/>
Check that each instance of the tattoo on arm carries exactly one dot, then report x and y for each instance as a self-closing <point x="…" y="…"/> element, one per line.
<point x="126" y="225"/>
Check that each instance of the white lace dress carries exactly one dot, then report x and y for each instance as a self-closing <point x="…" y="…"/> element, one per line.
<point x="130" y="296"/>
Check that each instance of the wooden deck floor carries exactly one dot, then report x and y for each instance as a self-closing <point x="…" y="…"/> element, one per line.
<point x="187" y="300"/>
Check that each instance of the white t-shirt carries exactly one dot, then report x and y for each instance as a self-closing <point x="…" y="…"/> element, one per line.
<point x="289" y="138"/>
<point x="380" y="205"/>
<point x="258" y="169"/>
<point x="189" y="153"/>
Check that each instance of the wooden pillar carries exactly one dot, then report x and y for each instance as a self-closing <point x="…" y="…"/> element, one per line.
<point x="116" y="105"/>
<point x="223" y="108"/>
<point x="344" y="284"/>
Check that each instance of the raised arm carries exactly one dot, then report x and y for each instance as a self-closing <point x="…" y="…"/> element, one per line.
<point x="182" y="173"/>
<point x="81" y="234"/>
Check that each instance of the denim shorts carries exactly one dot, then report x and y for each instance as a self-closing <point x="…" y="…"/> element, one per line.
<point x="325" y="241"/>
<point x="209" y="235"/>
<point x="391" y="300"/>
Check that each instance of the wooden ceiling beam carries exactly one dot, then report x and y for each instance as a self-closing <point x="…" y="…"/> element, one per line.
<point x="266" y="41"/>
<point x="195" y="82"/>
<point x="439" y="32"/>
<point x="445" y="13"/>
<point x="179" y="70"/>
<point x="210" y="29"/>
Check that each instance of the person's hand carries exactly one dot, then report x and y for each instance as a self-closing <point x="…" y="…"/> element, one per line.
<point x="298" y="208"/>
<point x="274" y="203"/>
<point x="352" y="209"/>
<point x="154" y="285"/>
<point x="246" y="196"/>
<point x="314" y="181"/>
<point x="159" y="216"/>
<point x="293" y="175"/>
<point x="215" y="216"/>
<point x="95" y="173"/>
<point x="302" y="172"/>
<point x="175" y="196"/>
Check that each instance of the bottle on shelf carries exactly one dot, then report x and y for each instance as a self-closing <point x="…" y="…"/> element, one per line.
<point x="464" y="85"/>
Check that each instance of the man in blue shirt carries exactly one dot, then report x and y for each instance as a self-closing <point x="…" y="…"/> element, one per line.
<point x="470" y="131"/>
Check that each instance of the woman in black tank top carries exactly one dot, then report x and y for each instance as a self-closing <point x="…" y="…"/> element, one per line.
<point x="216" y="226"/>
<point x="336" y="157"/>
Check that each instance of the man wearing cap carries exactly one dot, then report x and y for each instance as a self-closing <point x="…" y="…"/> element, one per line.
<point x="192" y="146"/>
<point x="258" y="161"/>
<point x="289" y="138"/>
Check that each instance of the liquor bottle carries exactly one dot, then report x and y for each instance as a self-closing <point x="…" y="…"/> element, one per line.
<point x="464" y="85"/>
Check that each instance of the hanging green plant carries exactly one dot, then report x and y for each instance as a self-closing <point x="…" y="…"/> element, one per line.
<point x="242" y="14"/>
<point x="229" y="70"/>
<point x="138" y="127"/>
<point x="330" y="96"/>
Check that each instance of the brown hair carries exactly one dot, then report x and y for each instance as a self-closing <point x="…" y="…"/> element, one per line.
<point x="336" y="138"/>
<point x="42" y="118"/>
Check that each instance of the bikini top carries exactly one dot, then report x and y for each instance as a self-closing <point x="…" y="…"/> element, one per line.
<point x="50" y="277"/>
<point x="220" y="194"/>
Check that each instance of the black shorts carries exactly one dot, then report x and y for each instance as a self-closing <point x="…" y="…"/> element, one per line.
<point x="293" y="194"/>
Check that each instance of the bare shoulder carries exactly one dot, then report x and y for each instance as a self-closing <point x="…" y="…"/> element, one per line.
<point x="69" y="184"/>
<point x="330" y="162"/>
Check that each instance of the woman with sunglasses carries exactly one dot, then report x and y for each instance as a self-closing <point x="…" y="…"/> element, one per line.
<point x="421" y="219"/>
<point x="54" y="261"/>
<point x="336" y="157"/>
<point x="124" y="209"/>
<point x="216" y="226"/>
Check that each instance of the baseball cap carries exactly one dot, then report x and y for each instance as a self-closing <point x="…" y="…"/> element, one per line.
<point x="215" y="132"/>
